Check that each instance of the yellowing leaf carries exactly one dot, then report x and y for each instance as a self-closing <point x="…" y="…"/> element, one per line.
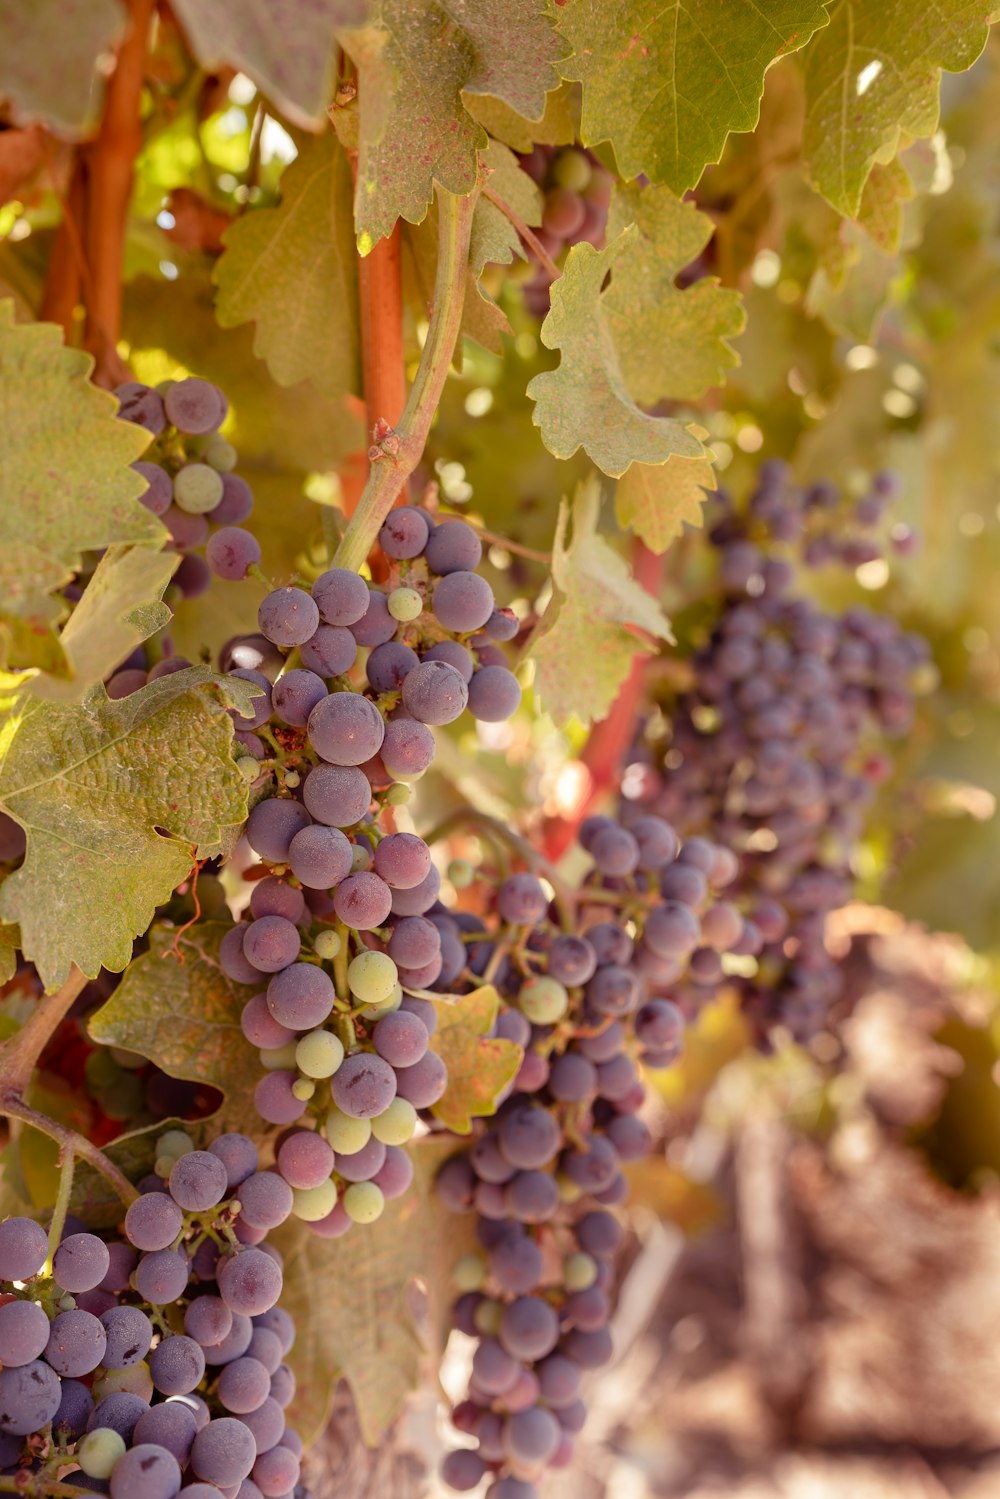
<point x="670" y="343"/>
<point x="291" y="270"/>
<point x="874" y="74"/>
<point x="414" y="60"/>
<point x="116" y="798"/>
<point x="665" y="83"/>
<point x="657" y="500"/>
<point x="351" y="1301"/>
<point x="49" y="51"/>
<point x="585" y="641"/>
<point x="881" y="212"/>
<point x="584" y="403"/>
<point x="10" y="940"/>
<point x="556" y="127"/>
<point x="480" y="1067"/>
<point x="65" y="483"/>
<point x="286" y="46"/>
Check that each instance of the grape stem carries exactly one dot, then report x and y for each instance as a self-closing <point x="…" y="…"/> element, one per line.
<point x="493" y="828"/>
<point x="19" y="1055"/>
<point x="68" y="1139"/>
<point x="496" y="540"/>
<point x="41" y="1486"/>
<point x="67" y="1165"/>
<point x="387" y="475"/>
<point x="527" y="234"/>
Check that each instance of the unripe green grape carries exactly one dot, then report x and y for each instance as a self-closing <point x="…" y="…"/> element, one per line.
<point x="572" y="169"/>
<point x="99" y="1451"/>
<point x="248" y="768"/>
<point x="313" y="1203"/>
<point x="568" y="1190"/>
<point x="544" y="1000"/>
<point x="396" y="1125"/>
<point x="375" y="1012"/>
<point x="469" y="1273"/>
<point x="579" y="1271"/>
<point x="220" y="454"/>
<point x="363" y="1202"/>
<point x="292" y="779"/>
<point x="135" y="1380"/>
<point x="404" y="604"/>
<point x="279" y="1058"/>
<point x="327" y="944"/>
<point x="197" y="488"/>
<point x="398" y="795"/>
<point x="66" y="1303"/>
<point x="303" y="1089"/>
<point x="319" y="1054"/>
<point x="346" y="1135"/>
<point x="461" y="873"/>
<point x="174" y="1143"/>
<point x="372" y="977"/>
<point x="487" y="1317"/>
<point x="361" y="858"/>
<point x="163" y="1165"/>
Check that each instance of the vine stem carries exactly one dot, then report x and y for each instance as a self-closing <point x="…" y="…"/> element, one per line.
<point x="527" y="234"/>
<point x="380" y="286"/>
<point x="50" y="1488"/>
<point x="67" y="1170"/>
<point x="388" y="472"/>
<point x="66" y="274"/>
<point x="19" y="1055"/>
<point x="69" y="1139"/>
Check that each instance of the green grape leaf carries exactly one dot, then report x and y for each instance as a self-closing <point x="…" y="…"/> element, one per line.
<point x="120" y="608"/>
<point x="67" y="486"/>
<point x="665" y="83"/>
<point x="557" y="126"/>
<point x="291" y="270"/>
<point x="596" y="607"/>
<point x="851" y="286"/>
<point x="885" y="194"/>
<point x="585" y="403"/>
<point x="116" y="798"/>
<point x="286" y="46"/>
<point x="49" y="56"/>
<point x="414" y="61"/>
<point x="670" y="343"/>
<point x="480" y="1067"/>
<point x="873" y="76"/>
<point x="658" y="500"/>
<point x="362" y="1327"/>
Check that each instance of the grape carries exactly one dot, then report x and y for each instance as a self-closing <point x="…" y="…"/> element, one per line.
<point x="362" y="901"/>
<point x="236" y="503"/>
<point x="194" y="406"/>
<point x="529" y="1137"/>
<point x="177" y="1365"/>
<point x="630" y="1137"/>
<point x="614" y="851"/>
<point x="313" y="1204"/>
<point x="589" y="1349"/>
<point x="613" y="990"/>
<point x="128" y="1333"/>
<point x="453" y="546"/>
<point x="338" y="795"/>
<point x="198" y="1181"/>
<point x="208" y="1320"/>
<point x="363" y="1202"/>
<point x="80" y="1263"/>
<point x="405" y="604"/>
<point x="234" y="1344"/>
<point x="171" y="1425"/>
<point x="118" y="1413"/>
<point x="521" y="900"/>
<point x="407" y="748"/>
<point x="453" y="654"/>
<point x="684" y="884"/>
<point x="161" y="1276"/>
<point x="363" y="1086"/>
<point x="223" y="1452"/>
<point x="265" y="1199"/>
<point x="267" y="1425"/>
<point x="423" y="1083"/>
<point x="364" y="1163"/>
<point x="305" y="1160"/>
<point x="75" y="1407"/>
<point x="462" y="601"/>
<point x="376" y="625"/>
<point x="400" y="1039"/>
<point x="76" y="1342"/>
<point x="260" y="1027"/>
<point x="572" y="960"/>
<point x="494" y="1370"/>
<point x="404" y="533"/>
<point x="346" y="729"/>
<point x="543" y="1000"/>
<point x="275" y="1101"/>
<point x="244" y="1385"/>
<point x="276" y="1472"/>
<point x="260" y="706"/>
<point x="296" y="694"/>
<point x="274" y="897"/>
<point x="140" y="404"/>
<point x="24" y="1248"/>
<point x="124" y="683"/>
<point x="24" y="1332"/>
<point x="319" y="1054"/>
<point x="611" y="943"/>
<point x="414" y="942"/>
<point x="396" y="1124"/>
<point x="197" y="488"/>
<point x="288" y="616"/>
<point x="193" y="577"/>
<point x="402" y="860"/>
<point x="301" y="996"/>
<point x="265" y="1346"/>
<point x="532" y="1197"/>
<point x="342" y="596"/>
<point x="330" y="652"/>
<point x="372" y="977"/>
<point x="320" y="857"/>
<point x="389" y="665"/>
<point x="153" y="1221"/>
<point x="159" y="491"/>
<point x="463" y="1469"/>
<point x="272" y="825"/>
<point x="531" y="1436"/>
<point x="494" y="694"/>
<point x="249" y="1282"/>
<point x="435" y="693"/>
<point x="345" y="1133"/>
<point x="572" y="1079"/>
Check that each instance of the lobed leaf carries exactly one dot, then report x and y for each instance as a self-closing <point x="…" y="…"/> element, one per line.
<point x="480" y="1067"/>
<point x="50" y="52"/>
<point x="658" y="500"/>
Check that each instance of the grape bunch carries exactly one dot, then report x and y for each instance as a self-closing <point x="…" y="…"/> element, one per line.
<point x="589" y="1000"/>
<point x="155" y="1359"/>
<point x="777" y="747"/>
<point x="577" y="193"/>
<point x="333" y="743"/>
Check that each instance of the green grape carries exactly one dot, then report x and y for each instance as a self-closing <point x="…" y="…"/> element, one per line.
<point x="319" y="1054"/>
<point x="220" y="454"/>
<point x="248" y="768"/>
<point x="314" y="1203"/>
<point x="197" y="488"/>
<point x="469" y="1273"/>
<point x="375" y="1012"/>
<point x="292" y="779"/>
<point x="404" y="604"/>
<point x="345" y="1134"/>
<point x="279" y="1058"/>
<point x="572" y="169"/>
<point x="99" y="1451"/>
<point x="568" y="1190"/>
<point x="303" y="1089"/>
<point x="461" y="873"/>
<point x="579" y="1271"/>
<point x="66" y="1303"/>
<point x="363" y="1202"/>
<point x="396" y="1125"/>
<point x="361" y="858"/>
<point x="174" y="1143"/>
<point x="544" y="1000"/>
<point x="398" y="795"/>
<point x="101" y="1070"/>
<point x="487" y="1317"/>
<point x="163" y="1165"/>
<point x="327" y="944"/>
<point x="372" y="977"/>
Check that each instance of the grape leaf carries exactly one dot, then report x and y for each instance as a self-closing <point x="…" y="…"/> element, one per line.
<point x="414" y="60"/>
<point x="286" y="46"/>
<point x="665" y="81"/>
<point x="91" y="785"/>
<point x="557" y="126"/>
<point x="584" y="403"/>
<point x="875" y="74"/>
<point x="595" y="608"/>
<point x="291" y="270"/>
<point x="51" y="55"/>
<point x="880" y="212"/>
<point x="109" y="621"/>
<point x="10" y="941"/>
<point x="479" y="1067"/>
<point x="361" y="1326"/>
<point x="177" y="1007"/>
<point x="658" y="500"/>
<point x="67" y="485"/>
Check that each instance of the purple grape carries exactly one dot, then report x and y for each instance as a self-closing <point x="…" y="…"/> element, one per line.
<point x="363" y="901"/>
<point x="320" y="857"/>
<point x="288" y="617"/>
<point x="494" y="694"/>
<point x="389" y="665"/>
<point x="159" y="493"/>
<point x="195" y="407"/>
<point x="236" y="503"/>
<point x="407" y="748"/>
<point x="453" y="654"/>
<point x="453" y="546"/>
<point x="80" y="1263"/>
<point x="301" y="996"/>
<point x="232" y="552"/>
<point x="404" y="533"/>
<point x="273" y="824"/>
<point x="139" y="404"/>
<point x="249" y="1282"/>
<point x="342" y="596"/>
<point x="400" y="1039"/>
<point x="296" y="694"/>
<point x="346" y="729"/>
<point x="329" y="652"/>
<point x="177" y="1365"/>
<point x="435" y="693"/>
<point x="363" y="1086"/>
<point x="462" y="601"/>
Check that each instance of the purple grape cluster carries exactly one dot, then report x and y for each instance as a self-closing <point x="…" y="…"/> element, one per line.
<point x="776" y="749"/>
<point x="347" y="1057"/>
<point x="589" y="1003"/>
<point x="155" y="1360"/>
<point x="577" y="192"/>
